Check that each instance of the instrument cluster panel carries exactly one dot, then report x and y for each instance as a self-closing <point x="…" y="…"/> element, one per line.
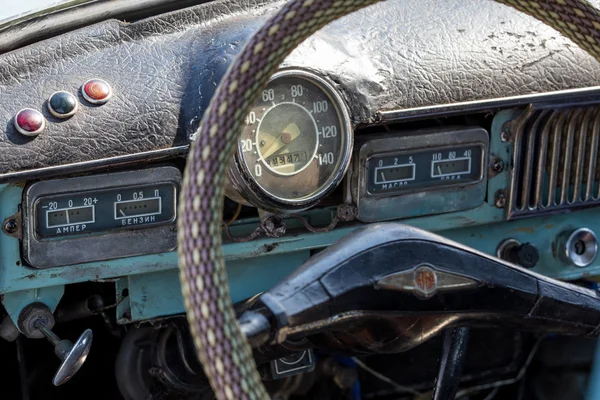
<point x="297" y="144"/>
<point x="100" y="217"/>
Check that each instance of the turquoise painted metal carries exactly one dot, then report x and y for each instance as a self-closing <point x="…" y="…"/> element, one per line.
<point x="158" y="293"/>
<point x="15" y="277"/>
<point x="147" y="287"/>
<point x="15" y="302"/>
<point x="593" y="388"/>
<point x="502" y="151"/>
<point x="151" y="281"/>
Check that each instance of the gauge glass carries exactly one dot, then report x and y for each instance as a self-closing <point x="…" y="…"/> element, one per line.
<point x="296" y="142"/>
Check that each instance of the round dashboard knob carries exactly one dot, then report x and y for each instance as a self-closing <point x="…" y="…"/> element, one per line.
<point x="523" y="254"/>
<point x="578" y="248"/>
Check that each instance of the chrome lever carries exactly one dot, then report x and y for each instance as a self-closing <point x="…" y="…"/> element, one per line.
<point x="72" y="355"/>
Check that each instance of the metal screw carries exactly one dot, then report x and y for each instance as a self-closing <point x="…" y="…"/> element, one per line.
<point x="500" y="199"/>
<point x="498" y="165"/>
<point x="505" y="135"/>
<point x="10" y="226"/>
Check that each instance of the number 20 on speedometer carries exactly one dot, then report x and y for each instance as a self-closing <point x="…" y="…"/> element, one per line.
<point x="296" y="143"/>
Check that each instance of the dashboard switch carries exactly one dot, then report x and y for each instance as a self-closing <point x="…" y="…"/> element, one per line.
<point x="72" y="355"/>
<point x="29" y="122"/>
<point x="36" y="321"/>
<point x="578" y="248"/>
<point x="523" y="254"/>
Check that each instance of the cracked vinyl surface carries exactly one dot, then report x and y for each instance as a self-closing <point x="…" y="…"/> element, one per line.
<point x="396" y="55"/>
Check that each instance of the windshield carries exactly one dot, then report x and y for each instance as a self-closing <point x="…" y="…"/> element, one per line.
<point x="13" y="10"/>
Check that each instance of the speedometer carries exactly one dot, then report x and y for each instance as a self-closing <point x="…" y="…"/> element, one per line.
<point x="295" y="145"/>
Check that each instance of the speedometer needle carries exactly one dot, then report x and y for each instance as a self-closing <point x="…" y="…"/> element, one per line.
<point x="289" y="133"/>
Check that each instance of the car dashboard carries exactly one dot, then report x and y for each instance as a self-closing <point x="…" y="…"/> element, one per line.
<point x="463" y="118"/>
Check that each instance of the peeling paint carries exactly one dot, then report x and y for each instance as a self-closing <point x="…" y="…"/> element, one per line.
<point x="524" y="229"/>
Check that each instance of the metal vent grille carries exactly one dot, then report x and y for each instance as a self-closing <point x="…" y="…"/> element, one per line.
<point x="555" y="160"/>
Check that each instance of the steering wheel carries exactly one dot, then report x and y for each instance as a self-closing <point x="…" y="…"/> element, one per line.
<point x="222" y="348"/>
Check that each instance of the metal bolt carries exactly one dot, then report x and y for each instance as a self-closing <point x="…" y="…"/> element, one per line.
<point x="505" y="135"/>
<point x="498" y="165"/>
<point x="347" y="212"/>
<point x="500" y="199"/>
<point x="11" y="226"/>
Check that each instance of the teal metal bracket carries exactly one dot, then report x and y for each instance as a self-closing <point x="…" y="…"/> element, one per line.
<point x="15" y="302"/>
<point x="266" y="260"/>
<point x="501" y="151"/>
<point x="593" y="386"/>
<point x="158" y="294"/>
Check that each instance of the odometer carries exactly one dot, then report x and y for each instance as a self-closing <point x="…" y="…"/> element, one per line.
<point x="296" y="142"/>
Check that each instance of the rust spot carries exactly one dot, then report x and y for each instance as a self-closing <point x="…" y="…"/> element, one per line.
<point x="30" y="276"/>
<point x="425" y="280"/>
<point x="265" y="248"/>
<point x="524" y="229"/>
<point x="270" y="247"/>
<point x="463" y="220"/>
<point x="549" y="226"/>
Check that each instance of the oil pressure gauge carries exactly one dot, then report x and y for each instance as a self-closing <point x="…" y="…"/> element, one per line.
<point x="295" y="145"/>
<point x="412" y="173"/>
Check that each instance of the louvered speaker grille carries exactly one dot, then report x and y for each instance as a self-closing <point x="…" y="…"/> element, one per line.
<point x="555" y="160"/>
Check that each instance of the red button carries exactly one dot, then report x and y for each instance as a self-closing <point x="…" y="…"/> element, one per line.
<point x="29" y="122"/>
<point x="96" y="91"/>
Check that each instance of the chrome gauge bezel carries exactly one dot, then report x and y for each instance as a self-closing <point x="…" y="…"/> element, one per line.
<point x="245" y="184"/>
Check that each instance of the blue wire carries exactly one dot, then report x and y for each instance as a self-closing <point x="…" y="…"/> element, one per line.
<point x="349" y="362"/>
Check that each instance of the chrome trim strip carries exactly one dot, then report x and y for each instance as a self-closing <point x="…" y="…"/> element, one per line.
<point x="593" y="157"/>
<point x="66" y="169"/>
<point x="482" y="105"/>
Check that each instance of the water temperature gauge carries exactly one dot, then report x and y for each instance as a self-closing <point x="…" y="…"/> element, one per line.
<point x="419" y="168"/>
<point x="407" y="174"/>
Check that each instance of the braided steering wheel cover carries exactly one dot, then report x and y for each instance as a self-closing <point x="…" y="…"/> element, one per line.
<point x="225" y="355"/>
